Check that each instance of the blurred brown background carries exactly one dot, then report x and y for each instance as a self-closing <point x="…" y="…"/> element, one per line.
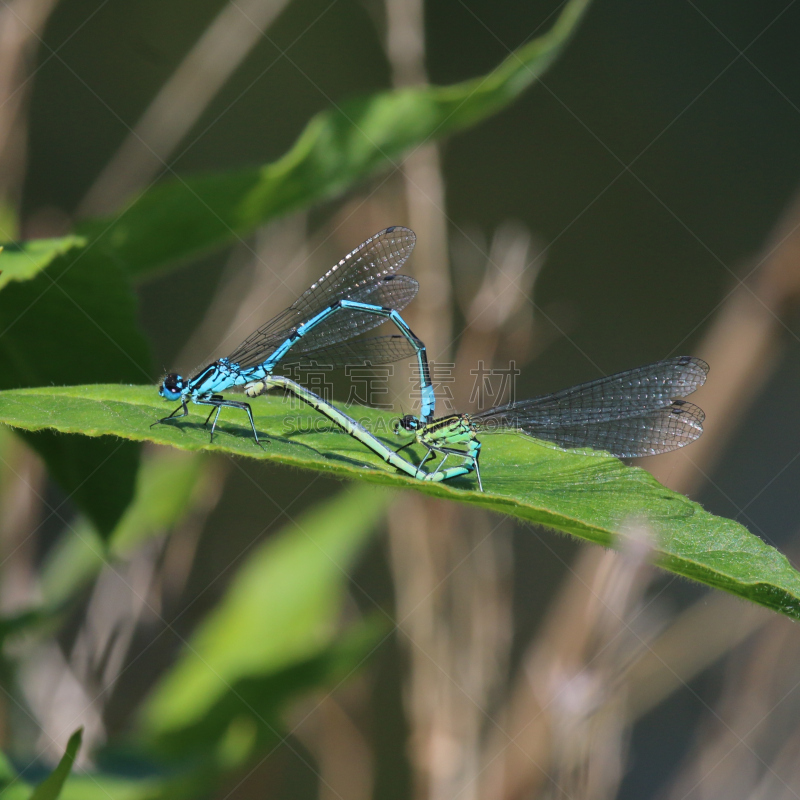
<point x="639" y="202"/>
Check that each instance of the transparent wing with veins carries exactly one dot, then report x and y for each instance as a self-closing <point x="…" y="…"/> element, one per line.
<point x="634" y="413"/>
<point x="366" y="275"/>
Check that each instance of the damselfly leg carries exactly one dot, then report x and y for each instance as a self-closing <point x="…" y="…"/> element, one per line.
<point x="219" y="402"/>
<point x="425" y="458"/>
<point x="470" y="460"/>
<point x="427" y="455"/>
<point x="478" y="470"/>
<point x="441" y="463"/>
<point x="182" y="406"/>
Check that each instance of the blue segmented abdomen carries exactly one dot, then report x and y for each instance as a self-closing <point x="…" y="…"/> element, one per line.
<point x="427" y="402"/>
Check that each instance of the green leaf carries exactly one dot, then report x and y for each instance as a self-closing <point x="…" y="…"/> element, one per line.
<point x="12" y="787"/>
<point x="339" y="147"/>
<point x="242" y="725"/>
<point x="98" y="475"/>
<point x="245" y="719"/>
<point x="18" y="790"/>
<point x="167" y="485"/>
<point x="50" y="788"/>
<point x="21" y="261"/>
<point x="103" y="787"/>
<point x="86" y="786"/>
<point x="98" y="786"/>
<point x="75" y="322"/>
<point x="591" y="496"/>
<point x="7" y="771"/>
<point x="281" y="610"/>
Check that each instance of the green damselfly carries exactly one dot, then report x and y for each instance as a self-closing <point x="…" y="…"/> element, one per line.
<point x="630" y="414"/>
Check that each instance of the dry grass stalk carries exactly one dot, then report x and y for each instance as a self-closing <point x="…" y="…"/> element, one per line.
<point x="149" y="146"/>
<point x="748" y="742"/>
<point x="21" y="26"/>
<point x="564" y="728"/>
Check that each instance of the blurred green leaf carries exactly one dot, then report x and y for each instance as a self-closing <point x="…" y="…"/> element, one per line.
<point x="75" y="322"/>
<point x="20" y="622"/>
<point x="12" y="787"/>
<point x="50" y="788"/>
<point x="18" y="790"/>
<point x="97" y="786"/>
<point x="85" y="786"/>
<point x="100" y="786"/>
<point x="98" y="476"/>
<point x="246" y="719"/>
<point x="9" y="220"/>
<point x="7" y="771"/>
<point x="339" y="147"/>
<point x="21" y="261"/>
<point x="167" y="486"/>
<point x="241" y="725"/>
<point x="281" y="610"/>
<point x="591" y="496"/>
<point x="64" y="785"/>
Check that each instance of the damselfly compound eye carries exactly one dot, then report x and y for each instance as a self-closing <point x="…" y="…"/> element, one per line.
<point x="173" y="383"/>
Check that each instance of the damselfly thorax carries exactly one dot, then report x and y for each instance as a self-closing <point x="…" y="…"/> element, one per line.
<point x="447" y="431"/>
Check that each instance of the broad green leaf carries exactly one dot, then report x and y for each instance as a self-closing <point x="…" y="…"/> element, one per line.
<point x="591" y="496"/>
<point x="21" y="261"/>
<point x="50" y="788"/>
<point x="338" y="147"/>
<point x="281" y="610"/>
<point x="168" y="484"/>
<point x="75" y="322"/>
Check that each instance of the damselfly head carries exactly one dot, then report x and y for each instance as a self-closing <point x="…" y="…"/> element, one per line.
<point x="172" y="386"/>
<point x="408" y="422"/>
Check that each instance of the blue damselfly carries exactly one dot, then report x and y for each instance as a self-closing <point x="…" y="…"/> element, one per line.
<point x="356" y="295"/>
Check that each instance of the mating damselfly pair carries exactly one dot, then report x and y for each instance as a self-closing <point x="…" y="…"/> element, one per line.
<point x="639" y="412"/>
